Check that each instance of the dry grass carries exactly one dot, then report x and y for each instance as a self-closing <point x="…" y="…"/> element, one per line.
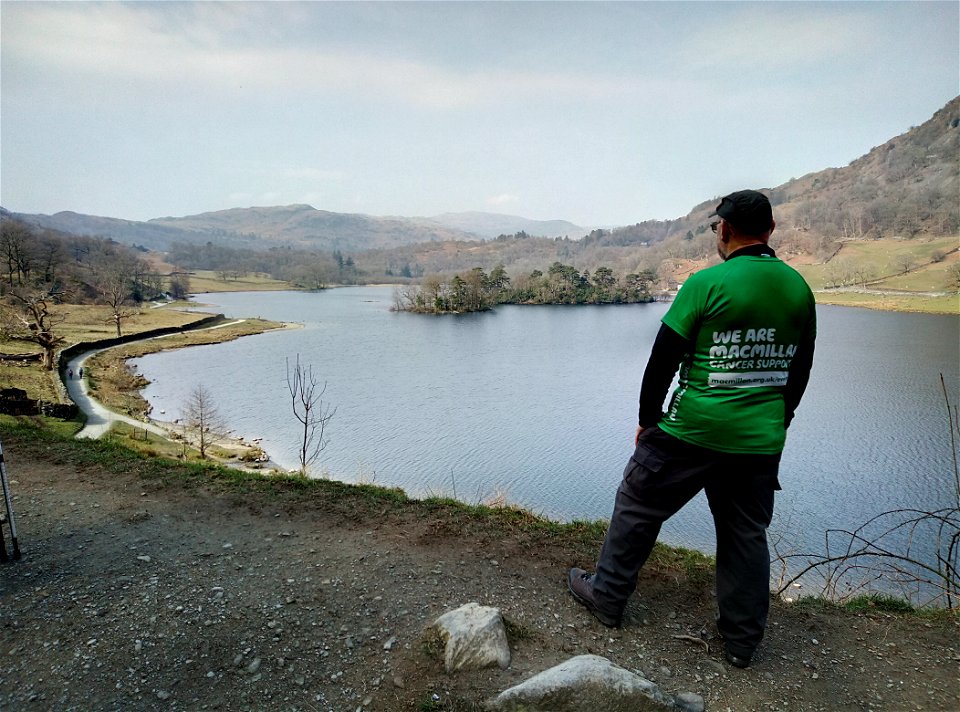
<point x="38" y="384"/>
<point x="919" y="303"/>
<point x="89" y="322"/>
<point x="209" y="281"/>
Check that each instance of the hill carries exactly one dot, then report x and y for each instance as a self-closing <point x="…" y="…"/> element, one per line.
<point x="491" y="225"/>
<point x="295" y="226"/>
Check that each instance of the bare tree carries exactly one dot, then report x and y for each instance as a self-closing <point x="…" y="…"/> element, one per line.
<point x="912" y="550"/>
<point x="29" y="318"/>
<point x="16" y="249"/>
<point x="203" y="418"/>
<point x="179" y="285"/>
<point x="115" y="282"/>
<point x="306" y="399"/>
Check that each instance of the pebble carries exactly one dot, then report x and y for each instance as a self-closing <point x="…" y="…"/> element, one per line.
<point x="715" y="667"/>
<point x="163" y="695"/>
<point x="253" y="666"/>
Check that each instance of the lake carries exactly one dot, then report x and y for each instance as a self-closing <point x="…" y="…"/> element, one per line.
<point x="538" y="404"/>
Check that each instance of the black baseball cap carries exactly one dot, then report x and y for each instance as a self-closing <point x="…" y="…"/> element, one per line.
<point x="748" y="211"/>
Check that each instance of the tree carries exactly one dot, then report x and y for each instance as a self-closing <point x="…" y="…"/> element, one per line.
<point x="203" y="418"/>
<point x="953" y="277"/>
<point x="179" y="285"/>
<point x="29" y="318"/>
<point x="603" y="282"/>
<point x="16" y="248"/>
<point x="306" y="400"/>
<point x="115" y="281"/>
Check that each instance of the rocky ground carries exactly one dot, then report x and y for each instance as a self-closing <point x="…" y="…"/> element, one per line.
<point x="139" y="591"/>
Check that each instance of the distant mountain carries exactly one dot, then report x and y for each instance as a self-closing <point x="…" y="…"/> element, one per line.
<point x="299" y="226"/>
<point x="490" y="225"/>
<point x="306" y="227"/>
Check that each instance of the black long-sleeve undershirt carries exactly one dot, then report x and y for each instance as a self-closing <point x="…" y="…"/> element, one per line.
<point x="669" y="350"/>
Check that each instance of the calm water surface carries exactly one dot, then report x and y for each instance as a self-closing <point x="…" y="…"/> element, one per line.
<point x="539" y="404"/>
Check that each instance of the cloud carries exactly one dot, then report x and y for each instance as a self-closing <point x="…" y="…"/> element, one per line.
<point x="503" y="199"/>
<point x="212" y="47"/>
<point x="777" y="37"/>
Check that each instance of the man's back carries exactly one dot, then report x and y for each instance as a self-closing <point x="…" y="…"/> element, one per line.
<point x="747" y="318"/>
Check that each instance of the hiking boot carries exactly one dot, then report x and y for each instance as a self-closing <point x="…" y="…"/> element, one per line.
<point x="736" y="660"/>
<point x="580" y="584"/>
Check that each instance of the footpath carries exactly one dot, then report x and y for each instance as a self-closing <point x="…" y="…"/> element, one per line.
<point x="145" y="586"/>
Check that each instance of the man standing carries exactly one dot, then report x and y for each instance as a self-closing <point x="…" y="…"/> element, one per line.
<point x="742" y="334"/>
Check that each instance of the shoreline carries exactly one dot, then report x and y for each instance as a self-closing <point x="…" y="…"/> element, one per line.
<point x="112" y="369"/>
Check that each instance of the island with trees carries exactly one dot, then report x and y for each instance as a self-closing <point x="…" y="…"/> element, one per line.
<point x="476" y="290"/>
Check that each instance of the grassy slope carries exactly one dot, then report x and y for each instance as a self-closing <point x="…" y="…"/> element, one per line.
<point x="885" y="259"/>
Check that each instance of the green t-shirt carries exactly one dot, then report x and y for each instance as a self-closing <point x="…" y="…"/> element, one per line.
<point x="746" y="318"/>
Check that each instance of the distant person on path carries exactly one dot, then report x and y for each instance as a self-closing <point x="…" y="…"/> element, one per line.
<point x="80" y="372"/>
<point x="70" y="373"/>
<point x="742" y="334"/>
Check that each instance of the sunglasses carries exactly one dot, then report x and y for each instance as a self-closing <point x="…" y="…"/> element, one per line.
<point x="714" y="225"/>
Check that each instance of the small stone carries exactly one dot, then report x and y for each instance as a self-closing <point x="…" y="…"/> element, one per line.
<point x="145" y="559"/>
<point x="398" y="682"/>
<point x="690" y="702"/>
<point x="238" y="661"/>
<point x="390" y="643"/>
<point x="253" y="666"/>
<point x="163" y="695"/>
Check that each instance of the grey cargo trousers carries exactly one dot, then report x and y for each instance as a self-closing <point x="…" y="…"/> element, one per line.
<point x="664" y="474"/>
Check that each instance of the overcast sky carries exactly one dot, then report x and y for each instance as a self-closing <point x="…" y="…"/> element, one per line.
<point x="597" y="113"/>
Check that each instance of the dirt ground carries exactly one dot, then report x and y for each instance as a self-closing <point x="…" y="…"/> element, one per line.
<point x="137" y="592"/>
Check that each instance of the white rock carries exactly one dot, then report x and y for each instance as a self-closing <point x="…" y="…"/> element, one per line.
<point x="474" y="637"/>
<point x="586" y="682"/>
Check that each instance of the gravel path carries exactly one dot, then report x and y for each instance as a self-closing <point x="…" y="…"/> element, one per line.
<point x="137" y="592"/>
